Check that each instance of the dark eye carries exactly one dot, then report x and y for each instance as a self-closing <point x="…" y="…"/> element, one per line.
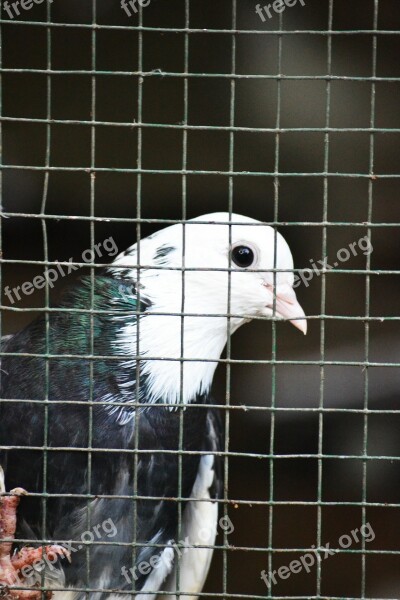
<point x="243" y="256"/>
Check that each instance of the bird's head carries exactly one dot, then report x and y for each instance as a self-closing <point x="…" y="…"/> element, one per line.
<point x="213" y="266"/>
<point x="241" y="267"/>
<point x="219" y="264"/>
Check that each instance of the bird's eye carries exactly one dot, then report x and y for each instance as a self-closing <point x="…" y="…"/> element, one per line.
<point x="243" y="256"/>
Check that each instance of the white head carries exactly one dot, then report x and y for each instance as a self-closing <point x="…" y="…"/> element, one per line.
<point x="213" y="266"/>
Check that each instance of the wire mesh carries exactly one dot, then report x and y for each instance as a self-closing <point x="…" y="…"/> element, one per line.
<point x="310" y="474"/>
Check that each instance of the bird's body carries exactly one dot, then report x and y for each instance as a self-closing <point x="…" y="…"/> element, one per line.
<point x="114" y="403"/>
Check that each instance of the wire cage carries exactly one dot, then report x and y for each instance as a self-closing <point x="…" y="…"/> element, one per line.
<point x="118" y="119"/>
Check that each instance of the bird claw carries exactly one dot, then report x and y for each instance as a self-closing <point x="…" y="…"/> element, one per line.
<point x="57" y="550"/>
<point x="27" y="556"/>
<point x="19" y="492"/>
<point x="7" y="594"/>
<point x="12" y="565"/>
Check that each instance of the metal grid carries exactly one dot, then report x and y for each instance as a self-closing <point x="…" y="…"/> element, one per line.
<point x="270" y="549"/>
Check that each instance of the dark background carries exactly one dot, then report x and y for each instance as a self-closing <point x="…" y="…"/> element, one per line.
<point x="346" y="197"/>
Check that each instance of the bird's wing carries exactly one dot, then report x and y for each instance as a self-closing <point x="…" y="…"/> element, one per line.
<point x="113" y="473"/>
<point x="200" y="520"/>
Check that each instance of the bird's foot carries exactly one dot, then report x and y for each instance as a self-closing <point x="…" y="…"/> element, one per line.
<point x="15" y="569"/>
<point x="7" y="593"/>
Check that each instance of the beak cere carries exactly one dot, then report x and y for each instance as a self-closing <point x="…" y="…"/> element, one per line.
<point x="288" y="307"/>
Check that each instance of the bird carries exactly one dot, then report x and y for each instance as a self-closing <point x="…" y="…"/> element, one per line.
<point x="108" y="414"/>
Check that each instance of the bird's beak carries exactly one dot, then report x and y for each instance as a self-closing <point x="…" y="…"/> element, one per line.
<point x="288" y="307"/>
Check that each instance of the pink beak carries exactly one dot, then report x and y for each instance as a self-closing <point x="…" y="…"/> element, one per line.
<point x="288" y="307"/>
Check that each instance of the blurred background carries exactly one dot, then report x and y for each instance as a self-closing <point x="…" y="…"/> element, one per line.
<point x="232" y="127"/>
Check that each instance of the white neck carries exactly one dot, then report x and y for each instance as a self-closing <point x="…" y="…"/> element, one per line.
<point x="176" y="381"/>
<point x="167" y="338"/>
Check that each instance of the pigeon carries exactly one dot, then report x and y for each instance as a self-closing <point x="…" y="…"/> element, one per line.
<point x="108" y="421"/>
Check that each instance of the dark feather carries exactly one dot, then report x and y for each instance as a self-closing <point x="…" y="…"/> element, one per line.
<point x="154" y="477"/>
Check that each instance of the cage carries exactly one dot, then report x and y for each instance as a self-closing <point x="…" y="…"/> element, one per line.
<point x="118" y="119"/>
